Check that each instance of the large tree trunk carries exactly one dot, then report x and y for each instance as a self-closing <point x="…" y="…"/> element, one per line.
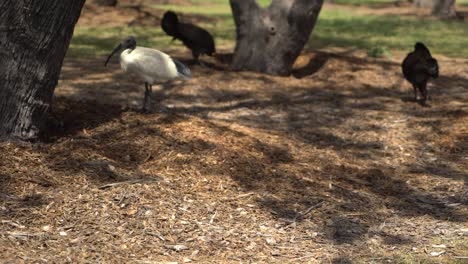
<point x="270" y="39"/>
<point x="442" y="8"/>
<point x="34" y="36"/>
<point x="105" y="2"/>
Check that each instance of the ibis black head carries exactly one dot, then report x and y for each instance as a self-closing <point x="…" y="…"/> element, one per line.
<point x="420" y="47"/>
<point x="169" y="23"/>
<point x="171" y="17"/>
<point x="127" y="43"/>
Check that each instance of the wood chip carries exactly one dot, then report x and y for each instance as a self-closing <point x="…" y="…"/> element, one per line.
<point x="436" y="254"/>
<point x="176" y="247"/>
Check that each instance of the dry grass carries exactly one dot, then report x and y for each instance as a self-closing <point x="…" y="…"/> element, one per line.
<point x="331" y="167"/>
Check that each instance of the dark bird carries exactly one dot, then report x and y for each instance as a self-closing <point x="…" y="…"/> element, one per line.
<point x="150" y="65"/>
<point x="418" y="67"/>
<point x="197" y="39"/>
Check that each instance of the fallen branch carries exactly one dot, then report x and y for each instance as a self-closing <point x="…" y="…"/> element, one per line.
<point x="317" y="205"/>
<point x="111" y="185"/>
<point x="300" y="215"/>
<point x="240" y="196"/>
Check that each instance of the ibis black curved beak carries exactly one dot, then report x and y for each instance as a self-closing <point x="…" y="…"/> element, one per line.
<point x="119" y="47"/>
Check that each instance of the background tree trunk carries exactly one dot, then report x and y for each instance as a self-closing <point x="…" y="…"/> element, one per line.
<point x="442" y="8"/>
<point x="34" y="36"/>
<point x="105" y="2"/>
<point x="270" y="39"/>
<point x="424" y="3"/>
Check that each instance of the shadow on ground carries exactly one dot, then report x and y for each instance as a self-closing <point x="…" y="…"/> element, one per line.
<point x="339" y="138"/>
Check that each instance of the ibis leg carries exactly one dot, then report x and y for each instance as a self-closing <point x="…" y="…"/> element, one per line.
<point x="415" y="93"/>
<point x="201" y="63"/>
<point x="196" y="58"/>
<point x="423" y="90"/>
<point x="150" y="92"/>
<point x="147" y="99"/>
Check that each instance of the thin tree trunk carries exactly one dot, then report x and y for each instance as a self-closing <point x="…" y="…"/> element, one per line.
<point x="442" y="8"/>
<point x="34" y="37"/>
<point x="270" y="39"/>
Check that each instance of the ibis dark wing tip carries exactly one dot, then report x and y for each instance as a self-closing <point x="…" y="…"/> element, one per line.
<point x="182" y="69"/>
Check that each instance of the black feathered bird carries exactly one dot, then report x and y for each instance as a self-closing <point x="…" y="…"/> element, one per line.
<point x="198" y="40"/>
<point x="418" y="67"/>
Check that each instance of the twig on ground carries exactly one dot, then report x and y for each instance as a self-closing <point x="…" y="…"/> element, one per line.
<point x="401" y="120"/>
<point x="303" y="257"/>
<point x="212" y="217"/>
<point x="124" y="195"/>
<point x="148" y="157"/>
<point x="300" y="215"/>
<point x="317" y="205"/>
<point x="12" y="223"/>
<point x="381" y="258"/>
<point x="155" y="234"/>
<point x="110" y="185"/>
<point x="23" y="236"/>
<point x="240" y="196"/>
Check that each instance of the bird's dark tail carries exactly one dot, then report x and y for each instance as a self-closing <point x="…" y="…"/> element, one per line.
<point x="184" y="71"/>
<point x="433" y="68"/>
<point x="419" y="46"/>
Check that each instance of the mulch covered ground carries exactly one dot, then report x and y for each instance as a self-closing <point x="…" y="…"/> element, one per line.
<point x="332" y="165"/>
<point x="335" y="166"/>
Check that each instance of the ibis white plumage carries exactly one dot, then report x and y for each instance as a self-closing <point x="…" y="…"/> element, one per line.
<point x="151" y="65"/>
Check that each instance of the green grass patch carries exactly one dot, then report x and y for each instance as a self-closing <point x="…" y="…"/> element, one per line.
<point x="379" y="52"/>
<point x="344" y="29"/>
<point x="335" y="28"/>
<point x="371" y="2"/>
<point x="92" y="41"/>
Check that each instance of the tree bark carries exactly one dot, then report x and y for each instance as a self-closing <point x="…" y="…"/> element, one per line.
<point x="442" y="8"/>
<point x="270" y="39"/>
<point x="34" y="37"/>
<point x="105" y="2"/>
<point x="445" y="8"/>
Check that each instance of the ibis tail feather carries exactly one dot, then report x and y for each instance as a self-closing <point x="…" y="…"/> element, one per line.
<point x="183" y="70"/>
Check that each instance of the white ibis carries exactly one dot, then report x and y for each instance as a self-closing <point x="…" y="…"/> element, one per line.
<point x="152" y="66"/>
